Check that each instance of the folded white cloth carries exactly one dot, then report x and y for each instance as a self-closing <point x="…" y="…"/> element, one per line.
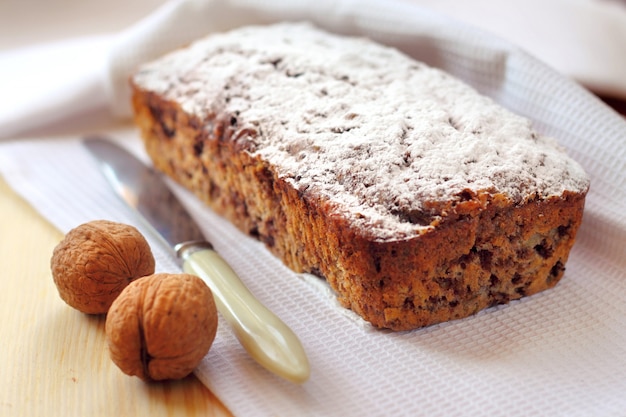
<point x="58" y="82"/>
<point x="559" y="353"/>
<point x="583" y="39"/>
<point x="48" y="83"/>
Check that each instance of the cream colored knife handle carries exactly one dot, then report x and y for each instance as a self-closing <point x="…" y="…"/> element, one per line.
<point x="266" y="338"/>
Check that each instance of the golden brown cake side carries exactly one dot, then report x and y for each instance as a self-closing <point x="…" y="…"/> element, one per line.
<point x="486" y="251"/>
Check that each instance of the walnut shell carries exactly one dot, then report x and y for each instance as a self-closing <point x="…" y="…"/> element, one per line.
<point x="161" y="326"/>
<point x="96" y="261"/>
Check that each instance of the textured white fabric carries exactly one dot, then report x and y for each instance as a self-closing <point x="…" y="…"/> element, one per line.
<point x="48" y="84"/>
<point x="558" y="353"/>
<point x="583" y="39"/>
<point x="44" y="84"/>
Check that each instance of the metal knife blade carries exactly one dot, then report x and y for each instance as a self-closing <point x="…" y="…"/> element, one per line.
<point x="264" y="336"/>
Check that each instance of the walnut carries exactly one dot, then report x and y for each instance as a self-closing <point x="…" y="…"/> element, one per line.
<point x="161" y="326"/>
<point x="96" y="261"/>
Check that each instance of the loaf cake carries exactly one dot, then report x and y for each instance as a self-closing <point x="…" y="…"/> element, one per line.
<point x="418" y="199"/>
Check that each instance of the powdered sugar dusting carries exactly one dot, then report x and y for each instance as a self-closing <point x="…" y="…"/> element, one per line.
<point x="374" y="132"/>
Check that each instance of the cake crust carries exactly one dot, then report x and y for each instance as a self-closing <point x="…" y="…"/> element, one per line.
<point x="433" y="211"/>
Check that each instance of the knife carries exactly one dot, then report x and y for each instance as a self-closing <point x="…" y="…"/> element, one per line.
<point x="264" y="336"/>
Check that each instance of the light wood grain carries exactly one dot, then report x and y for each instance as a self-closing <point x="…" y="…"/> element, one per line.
<point x="54" y="359"/>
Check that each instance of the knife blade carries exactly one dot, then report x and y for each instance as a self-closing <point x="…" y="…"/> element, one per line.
<point x="264" y="336"/>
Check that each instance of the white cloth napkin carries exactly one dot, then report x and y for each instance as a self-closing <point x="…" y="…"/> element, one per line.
<point x="583" y="39"/>
<point x="48" y="85"/>
<point x="558" y="353"/>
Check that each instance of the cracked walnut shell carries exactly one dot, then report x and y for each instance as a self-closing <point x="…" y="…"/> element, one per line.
<point x="96" y="261"/>
<point x="161" y="326"/>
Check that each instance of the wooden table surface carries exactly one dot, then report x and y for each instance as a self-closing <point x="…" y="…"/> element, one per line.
<point x="55" y="359"/>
